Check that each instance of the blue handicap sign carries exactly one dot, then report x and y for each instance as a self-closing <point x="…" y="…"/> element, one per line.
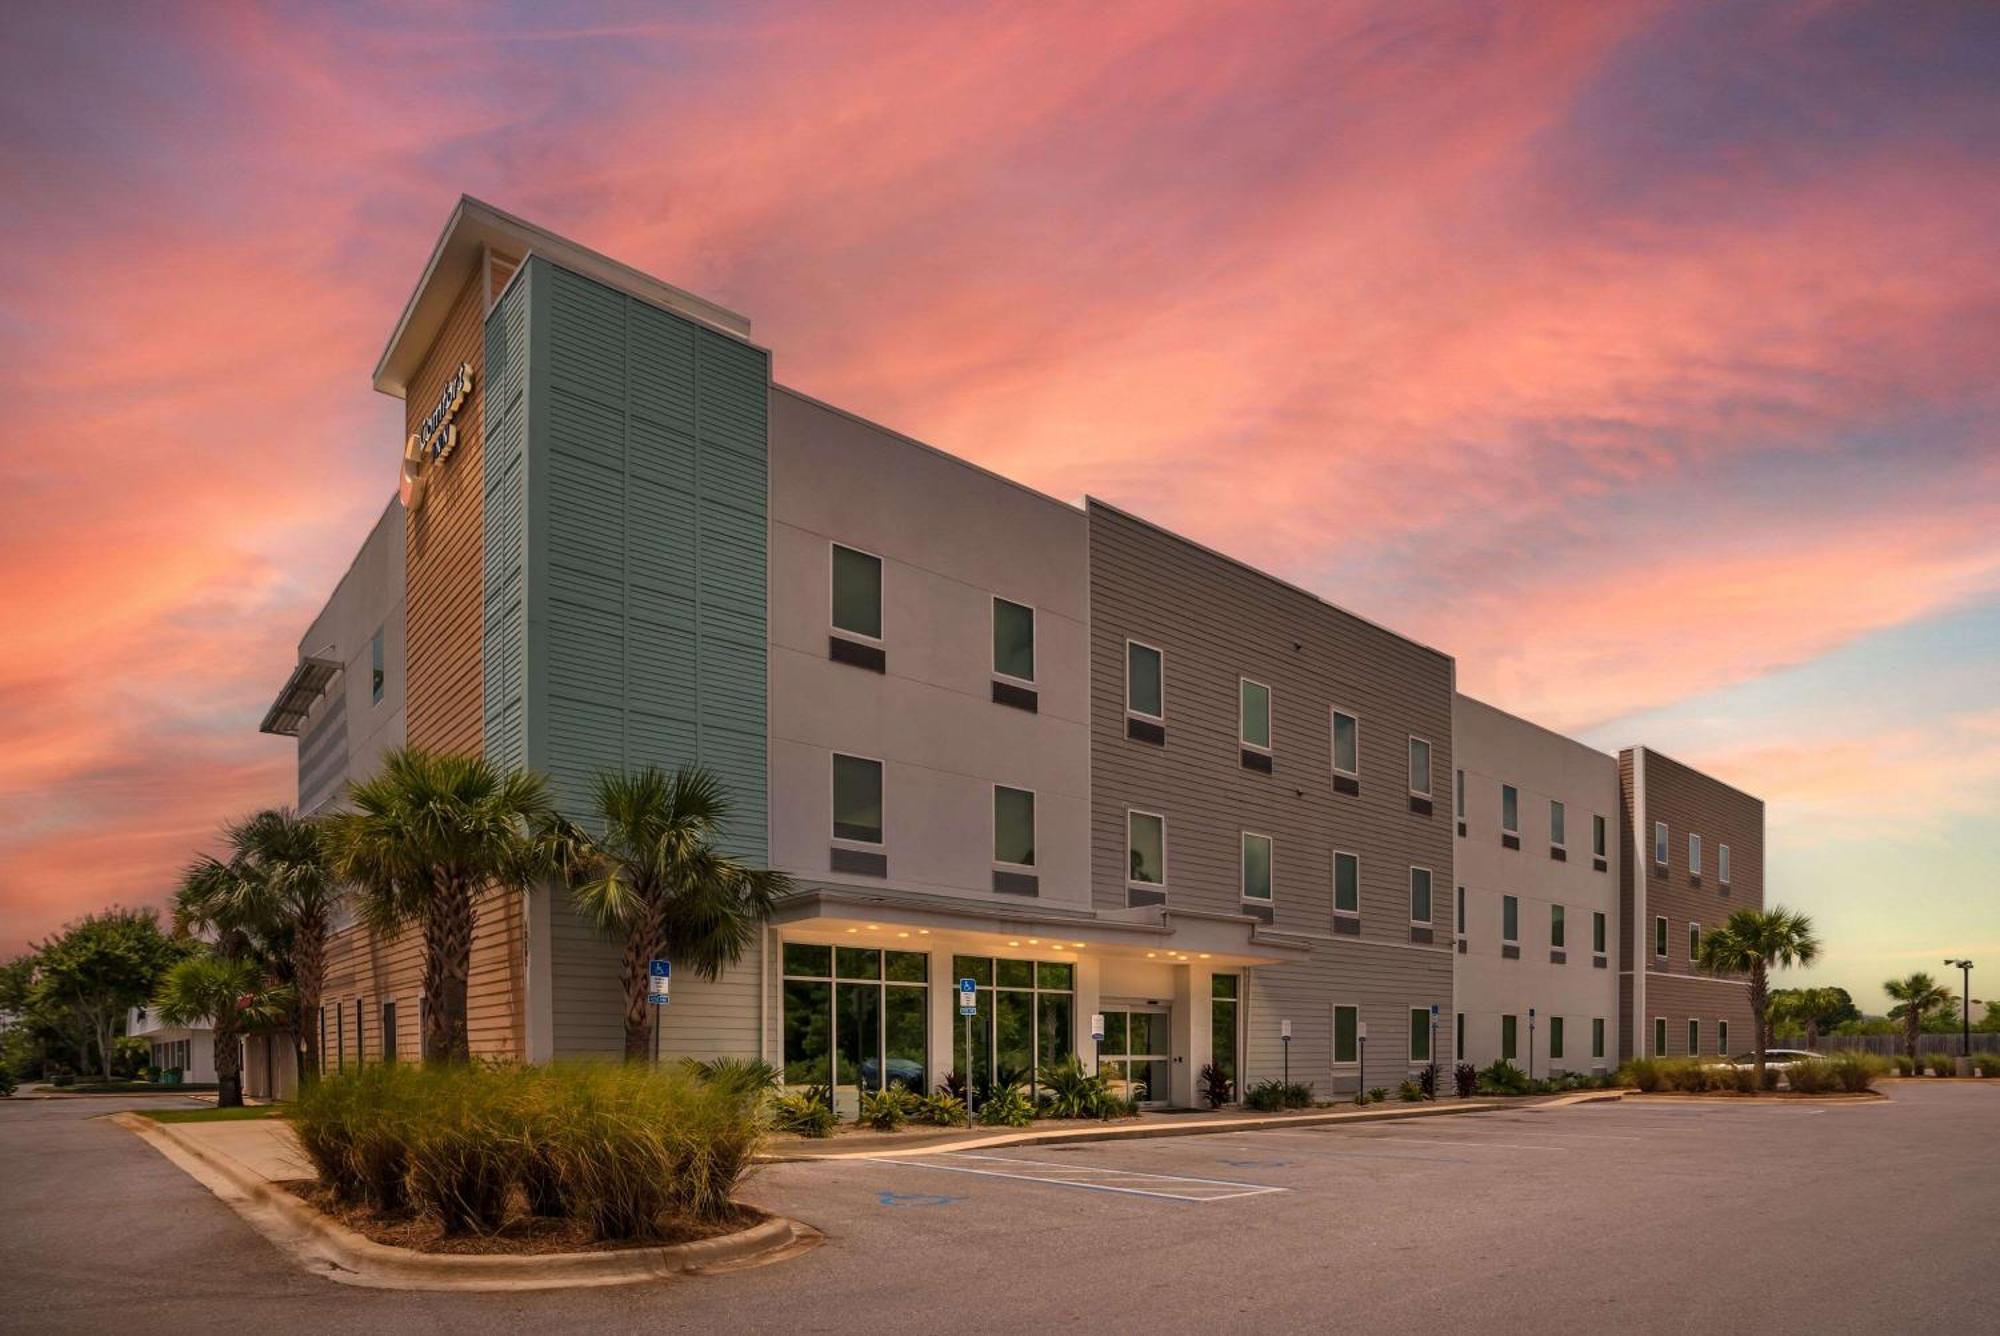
<point x="968" y="997"/>
<point x="660" y="969"/>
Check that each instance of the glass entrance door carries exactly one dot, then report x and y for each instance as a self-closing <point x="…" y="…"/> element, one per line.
<point x="1134" y="1055"/>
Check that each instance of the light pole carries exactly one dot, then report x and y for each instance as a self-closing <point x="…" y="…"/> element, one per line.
<point x="1965" y="995"/>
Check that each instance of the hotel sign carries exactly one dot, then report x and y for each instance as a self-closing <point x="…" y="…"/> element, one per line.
<point x="435" y="437"/>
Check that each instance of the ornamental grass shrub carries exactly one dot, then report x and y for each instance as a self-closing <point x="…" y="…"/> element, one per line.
<point x="633" y="1153"/>
<point x="1986" y="1064"/>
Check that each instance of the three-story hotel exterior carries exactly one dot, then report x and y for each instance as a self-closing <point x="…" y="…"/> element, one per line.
<point x="1096" y="767"/>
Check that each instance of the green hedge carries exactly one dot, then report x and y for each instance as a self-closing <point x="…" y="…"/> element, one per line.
<point x="632" y="1153"/>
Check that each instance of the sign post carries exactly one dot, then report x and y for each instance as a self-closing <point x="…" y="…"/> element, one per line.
<point x="1285" y="1037"/>
<point x="968" y="1007"/>
<point x="659" y="983"/>
<point x="1531" y="1043"/>
<point x="1434" y="1045"/>
<point x="1361" y="1073"/>
<point x="1097" y="1041"/>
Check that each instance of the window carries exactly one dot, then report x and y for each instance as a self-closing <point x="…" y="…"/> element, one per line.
<point x="1145" y="676"/>
<point x="1660" y="937"/>
<point x="1509" y="1028"/>
<point x="1558" y="824"/>
<point x="1420" y="1034"/>
<point x="323" y="1052"/>
<point x="1510" y="919"/>
<point x="857" y="799"/>
<point x="1026" y="1022"/>
<point x="1346" y="1033"/>
<point x="378" y="674"/>
<point x="1013" y="640"/>
<point x="1659" y="1036"/>
<point x="360" y="1035"/>
<point x="1420" y="767"/>
<point x="1597" y="836"/>
<point x="1458" y="1039"/>
<point x="1694" y="1035"/>
<point x="1694" y="855"/>
<point x="1013" y="826"/>
<point x="857" y="593"/>
<point x="1346" y="744"/>
<point x="1346" y="884"/>
<point x="1146" y="847"/>
<point x="1461" y="911"/>
<point x="1597" y="1037"/>
<point x="1597" y="929"/>
<point x="1458" y="794"/>
<point x="1254" y="714"/>
<point x="388" y="1032"/>
<point x="1558" y="929"/>
<point x="1555" y="1036"/>
<point x="1256" y="866"/>
<point x="1510" y="809"/>
<point x="1722" y="1036"/>
<point x="1420" y="895"/>
<point x="1222" y="992"/>
<point x="340" y="1036"/>
<point x="1722" y="869"/>
<point x="1660" y="842"/>
<point x="1694" y="943"/>
<point x="856" y="1018"/>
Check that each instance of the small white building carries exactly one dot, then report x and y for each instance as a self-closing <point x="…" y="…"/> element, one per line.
<point x="190" y="1050"/>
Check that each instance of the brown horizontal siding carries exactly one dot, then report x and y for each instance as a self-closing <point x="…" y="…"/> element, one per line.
<point x="1707" y="1000"/>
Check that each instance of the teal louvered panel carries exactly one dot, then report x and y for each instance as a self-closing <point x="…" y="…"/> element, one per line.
<point x="504" y="574"/>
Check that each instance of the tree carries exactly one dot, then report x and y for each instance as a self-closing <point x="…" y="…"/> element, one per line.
<point x="1752" y="942"/>
<point x="427" y="834"/>
<point x="656" y="876"/>
<point x="277" y="888"/>
<point x="1918" y="998"/>
<point x="1815" y="1011"/>
<point x="89" y="975"/>
<point x="232" y="996"/>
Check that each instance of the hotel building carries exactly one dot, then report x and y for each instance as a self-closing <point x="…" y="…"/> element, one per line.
<point x="1097" y="768"/>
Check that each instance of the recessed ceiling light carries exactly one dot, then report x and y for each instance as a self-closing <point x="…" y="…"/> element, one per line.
<point x="1013" y="943"/>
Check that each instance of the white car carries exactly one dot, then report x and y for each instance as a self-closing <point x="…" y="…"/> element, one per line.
<point x="1775" y="1059"/>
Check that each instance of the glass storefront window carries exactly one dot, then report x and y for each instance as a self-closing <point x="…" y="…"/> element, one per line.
<point x="1026" y="1019"/>
<point x="1222" y="1026"/>
<point x="856" y="1018"/>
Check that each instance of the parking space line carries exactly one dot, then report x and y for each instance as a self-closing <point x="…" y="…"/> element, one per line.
<point x="1184" y="1187"/>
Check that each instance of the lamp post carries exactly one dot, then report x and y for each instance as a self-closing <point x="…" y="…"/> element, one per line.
<point x="1965" y="996"/>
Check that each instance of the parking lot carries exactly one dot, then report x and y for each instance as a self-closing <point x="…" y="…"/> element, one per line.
<point x="1639" y="1216"/>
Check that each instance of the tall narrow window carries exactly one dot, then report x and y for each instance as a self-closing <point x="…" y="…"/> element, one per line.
<point x="857" y="799"/>
<point x="857" y="593"/>
<point x="1597" y="1037"/>
<point x="1458" y="1039"/>
<point x="1555" y="1036"/>
<point x="1013" y="640"/>
<point x="1346" y="884"/>
<point x="388" y="1032"/>
<point x="1597" y="835"/>
<point x="1722" y="864"/>
<point x="1013" y="826"/>
<point x="1458" y="794"/>
<point x="1597" y="931"/>
<point x="378" y="671"/>
<point x="1420" y="1034"/>
<point x="1558" y="929"/>
<point x="1659" y="1036"/>
<point x="1660" y="842"/>
<point x="1145" y="691"/>
<point x="1256" y="866"/>
<point x="1694" y="943"/>
<point x="1694" y="1035"/>
<point x="1420" y="895"/>
<point x="1146" y="848"/>
<point x="1509" y="1028"/>
<point x="1510" y="809"/>
<point x="1420" y="767"/>
<point x="1346" y="744"/>
<point x="1694" y="855"/>
<point x="1558" y="824"/>
<point x="1254" y="714"/>
<point x="1722" y="1037"/>
<point x="1461" y="911"/>
<point x="1510" y="918"/>
<point x="1660" y="937"/>
<point x="1346" y="1033"/>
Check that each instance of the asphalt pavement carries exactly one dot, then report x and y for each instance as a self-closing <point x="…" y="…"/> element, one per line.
<point x="1639" y="1216"/>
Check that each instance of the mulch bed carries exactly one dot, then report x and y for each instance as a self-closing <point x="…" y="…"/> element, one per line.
<point x="522" y="1235"/>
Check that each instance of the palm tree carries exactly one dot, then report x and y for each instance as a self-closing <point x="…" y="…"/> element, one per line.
<point x="656" y="876"/>
<point x="276" y="888"/>
<point x="1916" y="998"/>
<point x="427" y="834"/>
<point x="233" y="997"/>
<point x="1752" y="942"/>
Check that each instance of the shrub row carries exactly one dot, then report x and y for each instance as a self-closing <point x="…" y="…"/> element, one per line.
<point x="1845" y="1071"/>
<point x="631" y="1153"/>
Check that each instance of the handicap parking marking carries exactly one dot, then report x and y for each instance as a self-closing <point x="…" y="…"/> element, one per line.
<point x="889" y="1198"/>
<point x="1091" y="1178"/>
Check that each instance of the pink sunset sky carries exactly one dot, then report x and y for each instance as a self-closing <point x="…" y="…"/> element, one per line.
<point x="1642" y="356"/>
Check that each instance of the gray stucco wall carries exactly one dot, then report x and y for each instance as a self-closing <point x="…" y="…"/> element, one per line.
<point x="1218" y="621"/>
<point x="639" y="438"/>
<point x="347" y="732"/>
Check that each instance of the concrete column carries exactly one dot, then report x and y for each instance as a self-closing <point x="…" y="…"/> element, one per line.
<point x="945" y="1021"/>
<point x="1192" y="1040"/>
<point x="1089" y="1001"/>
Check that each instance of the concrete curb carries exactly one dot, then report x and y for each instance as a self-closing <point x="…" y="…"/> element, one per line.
<point x="1761" y="1102"/>
<point x="330" y="1249"/>
<point x="1180" y="1128"/>
<point x="1581" y="1097"/>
